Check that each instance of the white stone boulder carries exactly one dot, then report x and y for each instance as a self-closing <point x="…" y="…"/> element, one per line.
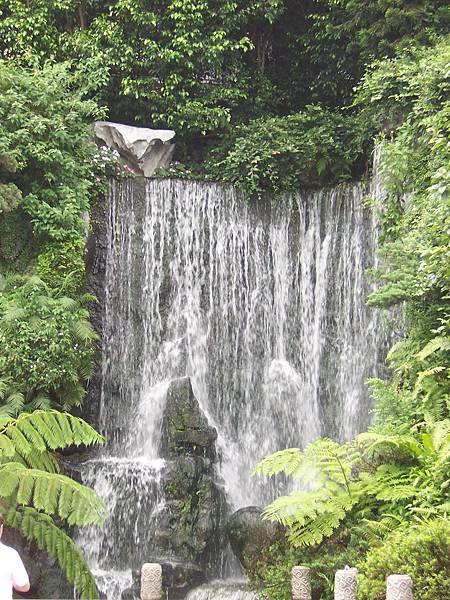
<point x="143" y="150"/>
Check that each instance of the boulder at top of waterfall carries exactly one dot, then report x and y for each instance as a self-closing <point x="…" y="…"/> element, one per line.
<point x="185" y="429"/>
<point x="143" y="150"/>
<point x="250" y="536"/>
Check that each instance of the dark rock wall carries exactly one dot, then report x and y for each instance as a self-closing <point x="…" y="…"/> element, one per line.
<point x="95" y="271"/>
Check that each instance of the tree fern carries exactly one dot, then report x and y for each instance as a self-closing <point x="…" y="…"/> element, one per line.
<point x="405" y="470"/>
<point x="40" y="527"/>
<point x="437" y="344"/>
<point x="44" y="429"/>
<point x="51" y="493"/>
<point x="34" y="493"/>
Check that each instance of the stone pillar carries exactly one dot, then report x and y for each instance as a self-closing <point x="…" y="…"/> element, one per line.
<point x="399" y="587"/>
<point x="345" y="584"/>
<point x="151" y="581"/>
<point x="301" y="583"/>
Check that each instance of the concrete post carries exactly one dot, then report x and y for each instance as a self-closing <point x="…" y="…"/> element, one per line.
<point x="345" y="584"/>
<point x="399" y="587"/>
<point x="301" y="583"/>
<point x="151" y="581"/>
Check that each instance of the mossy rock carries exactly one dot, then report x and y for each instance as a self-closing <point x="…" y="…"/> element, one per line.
<point x="185" y="428"/>
<point x="250" y="536"/>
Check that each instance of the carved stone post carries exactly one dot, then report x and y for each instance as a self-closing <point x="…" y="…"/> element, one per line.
<point x="301" y="583"/>
<point x="399" y="587"/>
<point x="151" y="581"/>
<point x="345" y="584"/>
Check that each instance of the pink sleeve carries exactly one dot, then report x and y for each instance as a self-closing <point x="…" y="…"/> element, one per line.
<point x="20" y="576"/>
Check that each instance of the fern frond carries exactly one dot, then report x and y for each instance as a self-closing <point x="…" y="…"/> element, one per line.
<point x="322" y="461"/>
<point x="12" y="314"/>
<point x="298" y="506"/>
<point x="68" y="304"/>
<point x="37" y="526"/>
<point x="376" y="530"/>
<point x="13" y="404"/>
<point x="42" y="402"/>
<point x="84" y="331"/>
<point x="285" y="461"/>
<point x="44" y="429"/>
<point x="437" y="344"/>
<point x="374" y="442"/>
<point x="46" y="461"/>
<point x="329" y="517"/>
<point x="51" y="493"/>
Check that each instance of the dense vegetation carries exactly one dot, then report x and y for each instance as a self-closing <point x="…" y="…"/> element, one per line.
<point x="47" y="344"/>
<point x="268" y="95"/>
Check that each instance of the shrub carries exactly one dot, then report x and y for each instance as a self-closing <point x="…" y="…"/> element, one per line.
<point x="47" y="347"/>
<point x="62" y="267"/>
<point x="421" y="551"/>
<point x="278" y="154"/>
<point x="273" y="571"/>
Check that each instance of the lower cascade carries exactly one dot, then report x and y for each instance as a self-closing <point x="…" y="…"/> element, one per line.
<point x="230" y="330"/>
<point x="221" y="591"/>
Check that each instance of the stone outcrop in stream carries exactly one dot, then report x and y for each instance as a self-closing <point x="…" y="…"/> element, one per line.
<point x="192" y="524"/>
<point x="250" y="536"/>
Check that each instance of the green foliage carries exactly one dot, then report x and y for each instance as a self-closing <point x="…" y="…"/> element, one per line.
<point x="277" y="154"/>
<point x="413" y="90"/>
<point x="272" y="572"/>
<point x="422" y="551"/>
<point x="46" y="347"/>
<point x="62" y="267"/>
<point x="401" y="476"/>
<point x="175" y="63"/>
<point x="36" y="498"/>
<point x="18" y="245"/>
<point x="199" y="65"/>
<point x="45" y="132"/>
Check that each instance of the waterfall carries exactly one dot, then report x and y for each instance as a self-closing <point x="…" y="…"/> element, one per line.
<point x="263" y="306"/>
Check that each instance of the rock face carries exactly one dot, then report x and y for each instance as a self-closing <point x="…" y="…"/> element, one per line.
<point x="249" y="535"/>
<point x="192" y="527"/>
<point x="46" y="578"/>
<point x="143" y="150"/>
<point x="186" y="431"/>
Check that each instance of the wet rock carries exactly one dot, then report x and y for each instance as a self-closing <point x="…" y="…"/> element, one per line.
<point x="143" y="150"/>
<point x="185" y="428"/>
<point x="179" y="578"/>
<point x="191" y="527"/>
<point x="249" y="535"/>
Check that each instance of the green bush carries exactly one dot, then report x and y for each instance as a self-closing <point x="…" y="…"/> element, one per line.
<point x="278" y="154"/>
<point x="421" y="551"/>
<point x="272" y="572"/>
<point x="47" y="347"/>
<point x="62" y="267"/>
<point x="46" y="156"/>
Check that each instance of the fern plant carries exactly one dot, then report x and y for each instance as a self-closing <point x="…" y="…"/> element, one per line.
<point x="36" y="498"/>
<point x="47" y="347"/>
<point x="398" y="477"/>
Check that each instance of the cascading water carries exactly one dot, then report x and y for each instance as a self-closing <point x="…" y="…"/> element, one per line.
<point x="262" y="306"/>
<point x="221" y="591"/>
